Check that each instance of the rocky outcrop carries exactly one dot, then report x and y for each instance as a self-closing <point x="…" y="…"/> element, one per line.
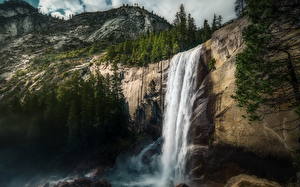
<point x="144" y="89"/>
<point x="118" y="24"/>
<point x="250" y="181"/>
<point x="140" y="83"/>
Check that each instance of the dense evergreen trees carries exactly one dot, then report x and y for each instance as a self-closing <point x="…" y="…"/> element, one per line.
<point x="240" y="6"/>
<point x="154" y="47"/>
<point x="217" y="22"/>
<point x="266" y="69"/>
<point x="77" y="114"/>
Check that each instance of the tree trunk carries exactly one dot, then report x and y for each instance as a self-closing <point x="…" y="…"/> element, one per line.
<point x="294" y="81"/>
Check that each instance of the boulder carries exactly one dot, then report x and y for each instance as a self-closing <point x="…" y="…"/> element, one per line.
<point x="250" y="181"/>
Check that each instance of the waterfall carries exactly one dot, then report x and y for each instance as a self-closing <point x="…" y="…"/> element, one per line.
<point x="168" y="166"/>
<point x="181" y="86"/>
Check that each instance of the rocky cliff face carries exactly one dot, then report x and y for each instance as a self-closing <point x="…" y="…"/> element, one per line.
<point x="223" y="141"/>
<point x="144" y="89"/>
<point x="277" y="134"/>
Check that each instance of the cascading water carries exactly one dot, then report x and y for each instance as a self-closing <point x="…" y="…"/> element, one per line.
<point x="168" y="166"/>
<point x="181" y="86"/>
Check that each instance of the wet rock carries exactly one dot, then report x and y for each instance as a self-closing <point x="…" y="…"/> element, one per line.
<point x="148" y="119"/>
<point x="84" y="183"/>
<point x="98" y="172"/>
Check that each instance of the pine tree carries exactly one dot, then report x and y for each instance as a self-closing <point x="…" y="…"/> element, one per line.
<point x="219" y="21"/>
<point x="176" y="48"/>
<point x="73" y="125"/>
<point x="240" y="6"/>
<point x="181" y="26"/>
<point x="192" y="29"/>
<point x="206" y="32"/>
<point x="215" y="23"/>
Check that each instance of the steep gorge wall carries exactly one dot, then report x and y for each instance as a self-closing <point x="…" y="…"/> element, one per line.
<point x="224" y="143"/>
<point x="277" y="134"/>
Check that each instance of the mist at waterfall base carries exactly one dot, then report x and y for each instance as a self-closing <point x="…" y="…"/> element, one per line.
<point x="163" y="163"/>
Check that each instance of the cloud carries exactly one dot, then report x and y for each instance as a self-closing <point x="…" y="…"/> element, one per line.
<point x="200" y="9"/>
<point x="59" y="7"/>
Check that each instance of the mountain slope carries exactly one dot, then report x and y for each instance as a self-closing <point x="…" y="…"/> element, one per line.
<point x="28" y="37"/>
<point x="19" y="18"/>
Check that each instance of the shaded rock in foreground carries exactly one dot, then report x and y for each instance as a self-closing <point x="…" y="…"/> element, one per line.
<point x="250" y="181"/>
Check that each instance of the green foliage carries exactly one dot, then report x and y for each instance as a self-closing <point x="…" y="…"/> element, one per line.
<point x="217" y="22"/>
<point x="79" y="114"/>
<point x="150" y="48"/>
<point x="21" y="73"/>
<point x="72" y="54"/>
<point x="154" y="47"/>
<point x="206" y="31"/>
<point x="239" y="7"/>
<point x="257" y="76"/>
<point x="211" y="65"/>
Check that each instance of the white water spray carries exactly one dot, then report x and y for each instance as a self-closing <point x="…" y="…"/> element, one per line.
<point x="181" y="86"/>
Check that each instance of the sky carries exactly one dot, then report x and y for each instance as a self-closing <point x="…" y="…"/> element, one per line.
<point x="200" y="9"/>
